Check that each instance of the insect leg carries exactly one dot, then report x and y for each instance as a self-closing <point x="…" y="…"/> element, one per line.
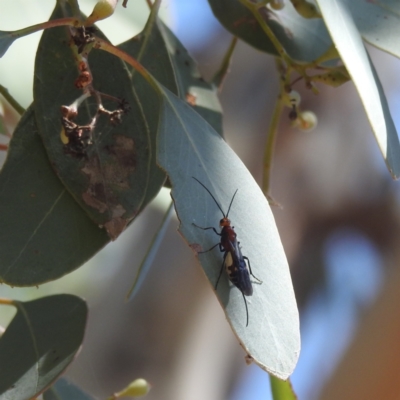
<point x="206" y="251"/>
<point x="251" y="272"/>
<point x="247" y="311"/>
<point x="204" y="229"/>
<point x="222" y="268"/>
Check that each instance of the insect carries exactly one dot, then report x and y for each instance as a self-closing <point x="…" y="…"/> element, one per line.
<point x="234" y="261"/>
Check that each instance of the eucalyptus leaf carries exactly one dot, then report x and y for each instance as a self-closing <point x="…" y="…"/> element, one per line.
<point x="40" y="342"/>
<point x="349" y="44"/>
<point x="378" y="23"/>
<point x="110" y="179"/>
<point x="6" y="40"/>
<point x="201" y="95"/>
<point x="148" y="47"/>
<point x="65" y="390"/>
<point x="303" y="39"/>
<point x="189" y="147"/>
<point x="45" y="234"/>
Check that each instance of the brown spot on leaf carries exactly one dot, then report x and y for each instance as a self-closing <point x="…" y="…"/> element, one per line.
<point x="108" y="179"/>
<point x="115" y="227"/>
<point x="196" y="247"/>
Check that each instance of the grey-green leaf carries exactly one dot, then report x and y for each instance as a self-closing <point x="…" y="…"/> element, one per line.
<point x="111" y="179"/>
<point x="45" y="234"/>
<point x="378" y="23"/>
<point x="201" y="95"/>
<point x="65" y="390"/>
<point x="6" y="40"/>
<point x="187" y="147"/>
<point x="349" y="44"/>
<point x="39" y="343"/>
<point x="303" y="39"/>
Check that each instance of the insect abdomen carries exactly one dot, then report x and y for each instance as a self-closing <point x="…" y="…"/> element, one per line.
<point x="238" y="273"/>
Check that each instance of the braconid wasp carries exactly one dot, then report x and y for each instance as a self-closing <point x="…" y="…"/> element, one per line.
<point x="234" y="261"/>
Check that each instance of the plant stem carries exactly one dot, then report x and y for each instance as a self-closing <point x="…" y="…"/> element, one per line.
<point x="281" y="390"/>
<point x="45" y="25"/>
<point x="151" y="252"/>
<point x="151" y="22"/>
<point x="103" y="45"/>
<point x="254" y="7"/>
<point x="223" y="69"/>
<point x="14" y="103"/>
<point x="270" y="145"/>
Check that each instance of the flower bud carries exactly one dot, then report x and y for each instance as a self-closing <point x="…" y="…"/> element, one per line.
<point x="139" y="387"/>
<point x="306" y="121"/>
<point x="103" y="9"/>
<point x="277" y="4"/>
<point x="293" y="98"/>
<point x="306" y="9"/>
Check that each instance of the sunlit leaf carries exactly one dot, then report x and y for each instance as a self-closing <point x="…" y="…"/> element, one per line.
<point x="40" y="342"/>
<point x="201" y="95"/>
<point x="352" y="51"/>
<point x="378" y="22"/>
<point x="149" y="49"/>
<point x="187" y="147"/>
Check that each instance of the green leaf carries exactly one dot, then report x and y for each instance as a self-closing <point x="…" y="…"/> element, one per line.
<point x="303" y="39"/>
<point x="40" y="342"/>
<point x="201" y="95"/>
<point x="378" y="23"/>
<point x="149" y="49"/>
<point x="44" y="233"/>
<point x="189" y="147"/>
<point x="6" y="40"/>
<point x="111" y="181"/>
<point x="161" y="53"/>
<point x="152" y="251"/>
<point x="336" y="77"/>
<point x="65" y="390"/>
<point x="349" y="44"/>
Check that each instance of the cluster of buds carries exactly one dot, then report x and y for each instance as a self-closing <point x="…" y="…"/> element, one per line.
<point x="78" y="138"/>
<point x="303" y="120"/>
<point x="85" y="77"/>
<point x="82" y="37"/>
<point x="116" y="115"/>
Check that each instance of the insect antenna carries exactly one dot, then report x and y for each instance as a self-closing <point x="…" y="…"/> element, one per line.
<point x="216" y="202"/>
<point x="247" y="311"/>
<point x="231" y="204"/>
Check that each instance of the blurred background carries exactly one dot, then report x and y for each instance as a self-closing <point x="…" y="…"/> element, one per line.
<point x="338" y="217"/>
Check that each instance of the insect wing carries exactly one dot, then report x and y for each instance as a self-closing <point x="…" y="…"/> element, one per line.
<point x="237" y="270"/>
